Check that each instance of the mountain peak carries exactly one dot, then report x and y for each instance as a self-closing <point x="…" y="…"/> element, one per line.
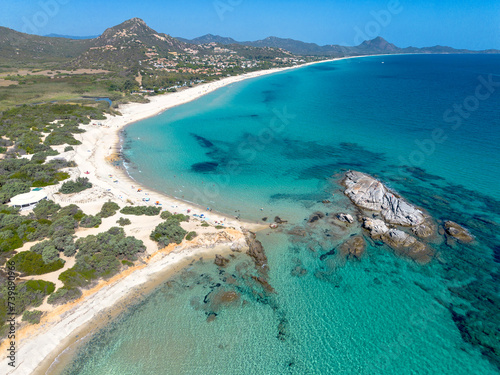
<point x="378" y="44"/>
<point x="137" y="20"/>
<point x="211" y="38"/>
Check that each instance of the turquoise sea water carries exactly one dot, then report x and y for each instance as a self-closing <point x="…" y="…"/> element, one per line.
<point x="277" y="145"/>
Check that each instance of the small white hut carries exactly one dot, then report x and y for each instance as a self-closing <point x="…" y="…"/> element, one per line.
<point x="28" y="200"/>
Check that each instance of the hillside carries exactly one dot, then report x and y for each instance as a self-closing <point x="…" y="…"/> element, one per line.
<point x="26" y="49"/>
<point x="127" y="44"/>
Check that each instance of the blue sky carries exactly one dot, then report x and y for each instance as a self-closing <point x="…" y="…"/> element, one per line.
<point x="473" y="24"/>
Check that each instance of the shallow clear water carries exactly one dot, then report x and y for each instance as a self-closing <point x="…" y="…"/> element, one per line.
<point x="277" y="145"/>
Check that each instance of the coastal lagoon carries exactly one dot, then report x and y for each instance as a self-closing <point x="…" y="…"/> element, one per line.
<point x="428" y="126"/>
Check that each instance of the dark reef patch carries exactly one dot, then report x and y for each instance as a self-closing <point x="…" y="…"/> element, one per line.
<point x="205" y="167"/>
<point x="202" y="141"/>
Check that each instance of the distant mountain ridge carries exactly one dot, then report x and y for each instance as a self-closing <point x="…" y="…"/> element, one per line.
<point x="71" y="36"/>
<point x="377" y="45"/>
<point x="133" y="41"/>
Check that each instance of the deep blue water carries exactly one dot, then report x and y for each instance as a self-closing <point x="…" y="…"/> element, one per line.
<point x="426" y="125"/>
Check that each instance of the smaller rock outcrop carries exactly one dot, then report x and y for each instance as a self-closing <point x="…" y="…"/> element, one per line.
<point x="376" y="227"/>
<point x="424" y="230"/>
<point x="457" y="231"/>
<point x="346" y="218"/>
<point x="278" y="220"/>
<point x="401" y="242"/>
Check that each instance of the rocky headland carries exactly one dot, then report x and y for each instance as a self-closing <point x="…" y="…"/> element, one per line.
<point x="389" y="218"/>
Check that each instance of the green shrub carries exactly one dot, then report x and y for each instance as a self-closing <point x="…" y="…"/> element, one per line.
<point x="219" y="227"/>
<point x="68" y="148"/>
<point x="32" y="317"/>
<point x="32" y="293"/>
<point x="123" y="221"/>
<point x="191" y="235"/>
<point x="12" y="188"/>
<point x="63" y="226"/>
<point x="140" y="210"/>
<point x="60" y="137"/>
<point x="38" y="248"/>
<point x="64" y="295"/>
<point x="72" y="278"/>
<point x="45" y="209"/>
<point x="40" y="157"/>
<point x="108" y="209"/>
<point x="50" y="254"/>
<point x="205" y="224"/>
<point x="30" y="263"/>
<point x="127" y="263"/>
<point x="80" y="184"/>
<point x="178" y="218"/>
<point x="89" y="221"/>
<point x="65" y="244"/>
<point x="165" y="215"/>
<point x="9" y="240"/>
<point x="168" y="232"/>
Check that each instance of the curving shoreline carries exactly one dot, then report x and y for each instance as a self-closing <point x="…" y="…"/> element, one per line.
<point x="99" y="142"/>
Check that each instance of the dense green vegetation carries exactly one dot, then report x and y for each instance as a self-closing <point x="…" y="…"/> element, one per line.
<point x="89" y="221"/>
<point x="27" y="294"/>
<point x="140" y="210"/>
<point x="99" y="256"/>
<point x="170" y="231"/>
<point x="178" y="218"/>
<point x="31" y="263"/>
<point x="70" y="187"/>
<point x="165" y="215"/>
<point x="108" y="209"/>
<point x="47" y="220"/>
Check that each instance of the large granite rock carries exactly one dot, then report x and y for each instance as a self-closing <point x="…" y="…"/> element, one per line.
<point x="369" y="193"/>
<point x="455" y="230"/>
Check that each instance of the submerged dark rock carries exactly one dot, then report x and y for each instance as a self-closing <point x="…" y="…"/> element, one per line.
<point x="256" y="252"/>
<point x="354" y="247"/>
<point x="221" y="261"/>
<point x="205" y="167"/>
<point x="315" y="217"/>
<point x="278" y="220"/>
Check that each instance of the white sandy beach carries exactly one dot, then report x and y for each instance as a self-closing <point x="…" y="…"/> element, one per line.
<point x="36" y="344"/>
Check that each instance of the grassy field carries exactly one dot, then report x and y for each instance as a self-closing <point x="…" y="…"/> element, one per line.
<point x="42" y="88"/>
